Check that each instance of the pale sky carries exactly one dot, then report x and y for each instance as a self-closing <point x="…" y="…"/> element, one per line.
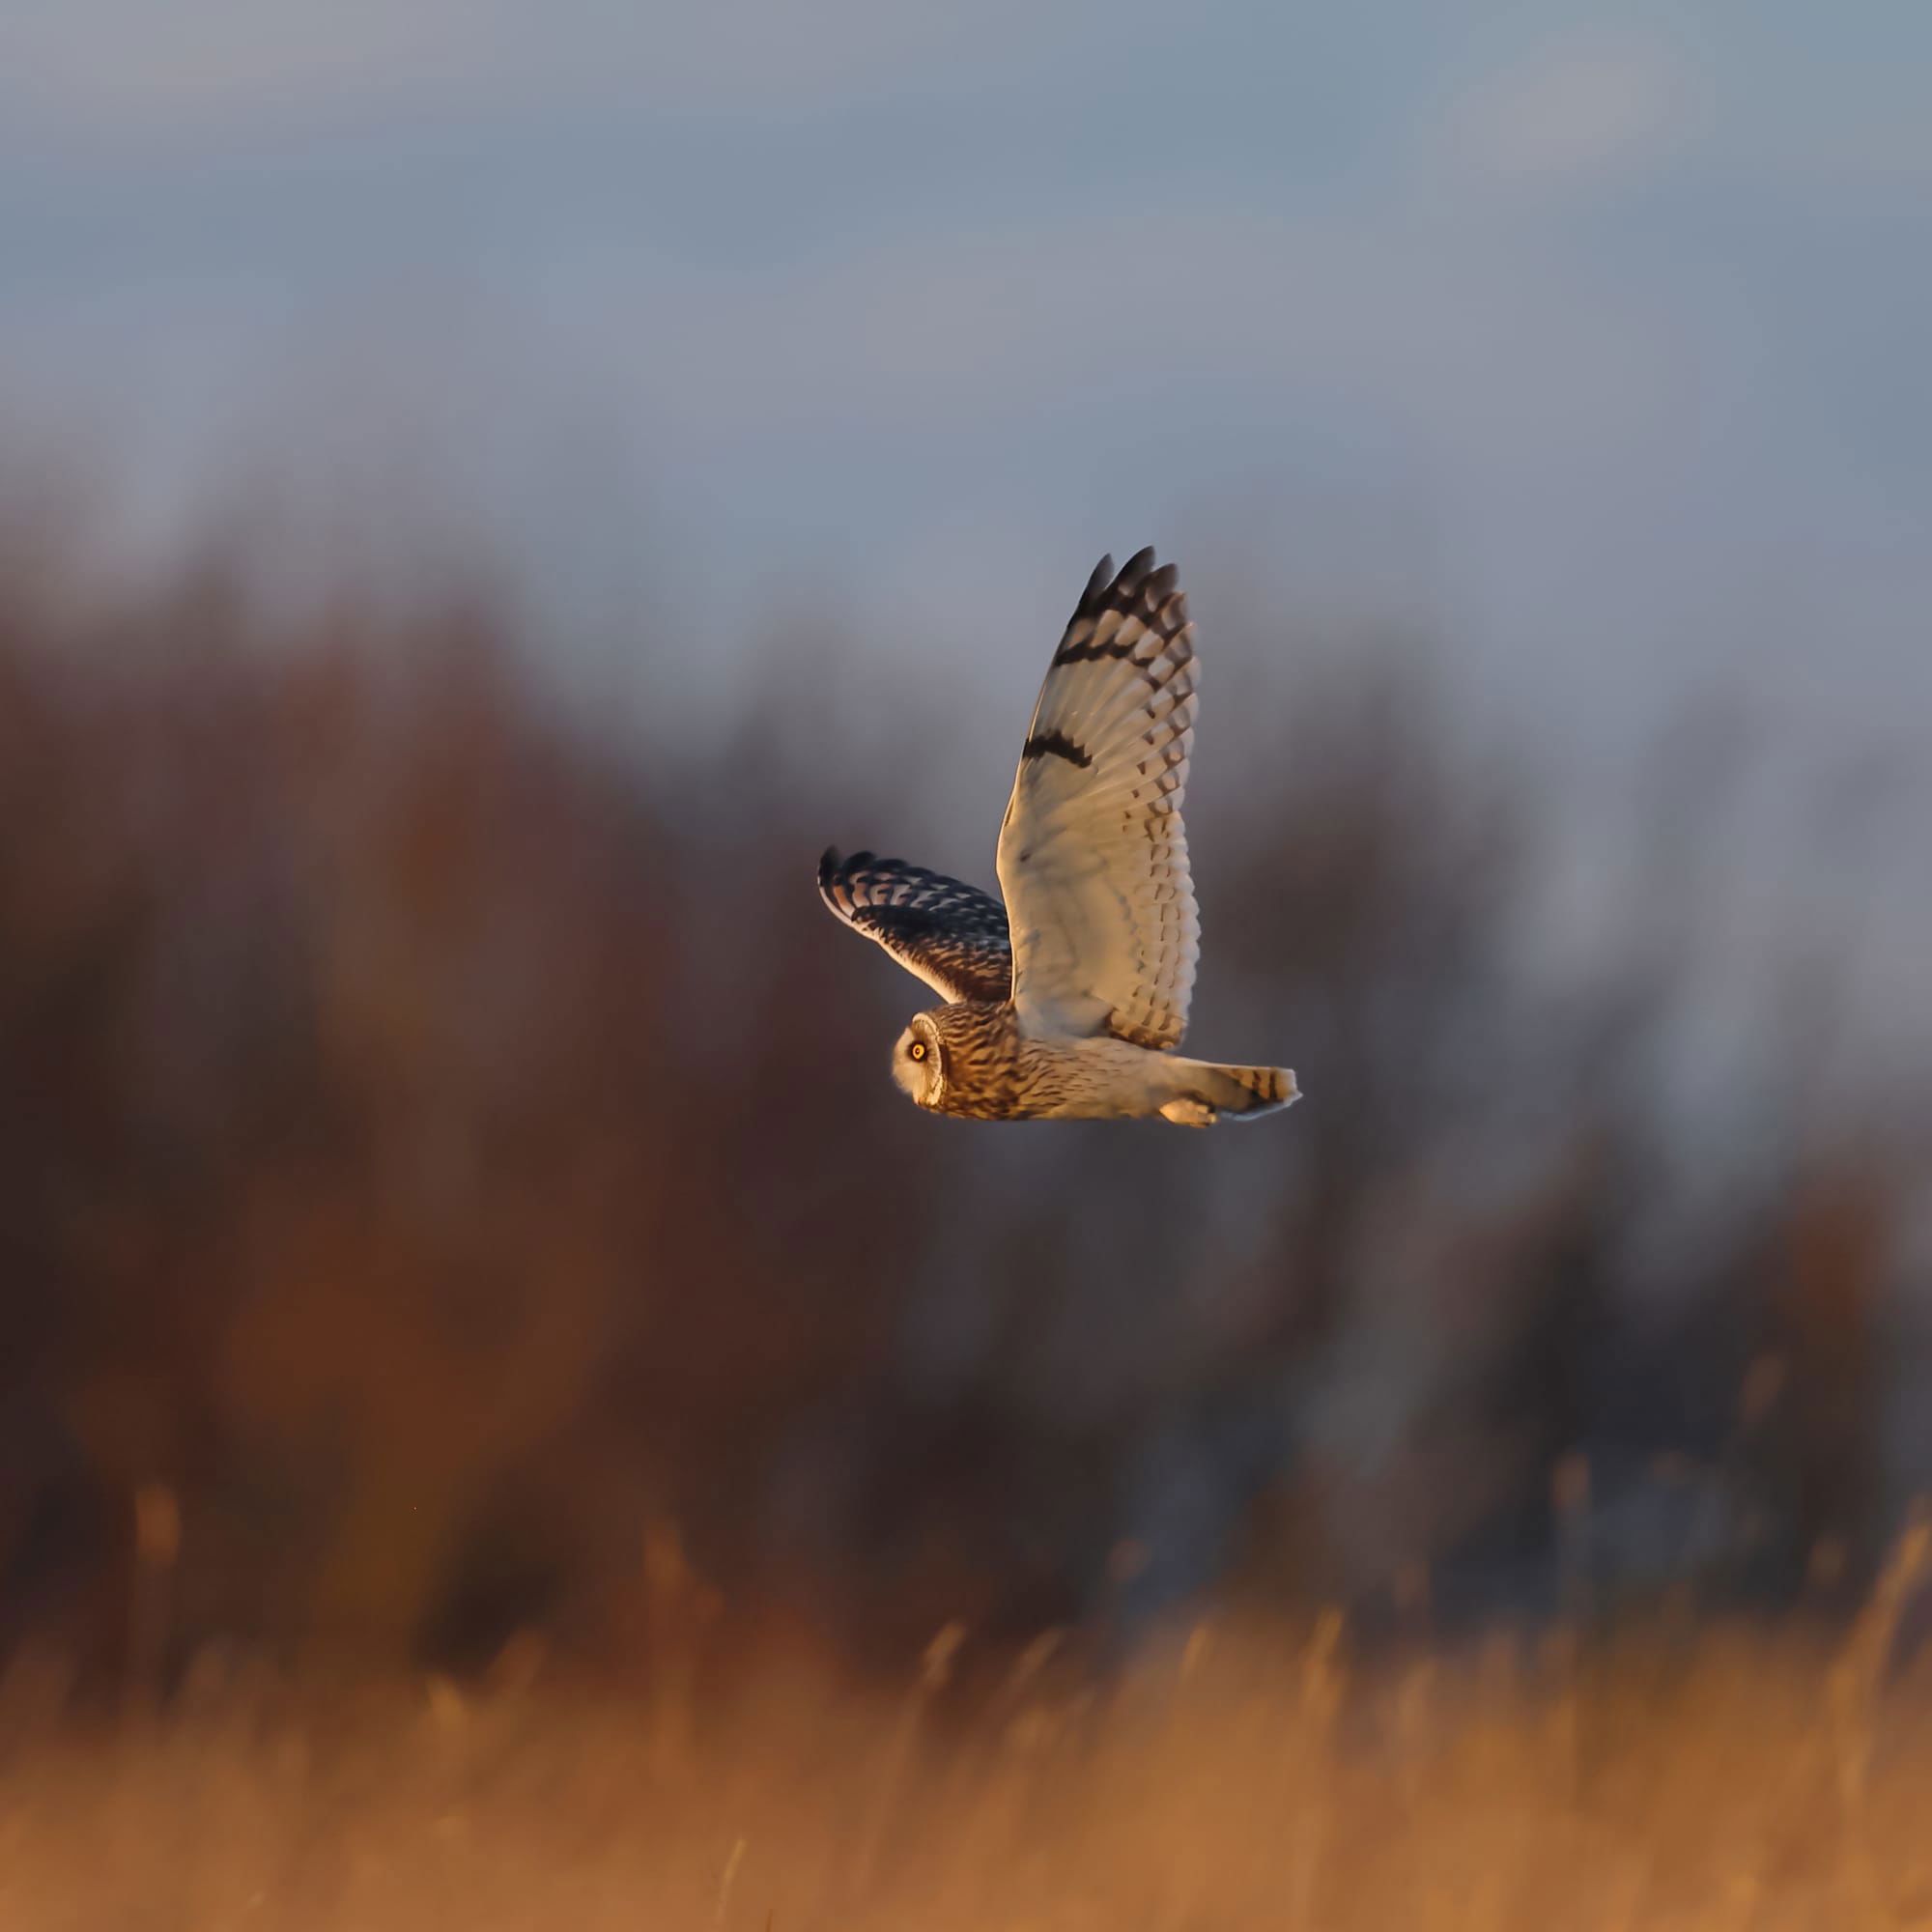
<point x="1592" y="337"/>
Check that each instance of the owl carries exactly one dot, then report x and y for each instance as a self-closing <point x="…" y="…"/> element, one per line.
<point x="1067" y="1002"/>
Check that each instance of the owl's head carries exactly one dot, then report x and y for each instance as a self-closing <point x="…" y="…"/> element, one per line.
<point x="919" y="1062"/>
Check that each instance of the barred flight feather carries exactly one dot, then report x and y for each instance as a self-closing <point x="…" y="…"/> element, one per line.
<point x="952" y="935"/>
<point x="1092" y="855"/>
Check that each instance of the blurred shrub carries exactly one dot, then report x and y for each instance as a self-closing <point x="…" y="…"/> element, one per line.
<point x="440" y="1152"/>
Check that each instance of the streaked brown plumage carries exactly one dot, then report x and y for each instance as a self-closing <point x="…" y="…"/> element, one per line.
<point x="980" y="1065"/>
<point x="1067" y="1002"/>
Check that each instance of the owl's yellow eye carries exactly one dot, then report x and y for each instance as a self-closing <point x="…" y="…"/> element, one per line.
<point x="917" y="1050"/>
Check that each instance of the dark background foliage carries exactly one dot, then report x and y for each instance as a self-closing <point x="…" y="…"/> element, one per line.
<point x="446" y="1158"/>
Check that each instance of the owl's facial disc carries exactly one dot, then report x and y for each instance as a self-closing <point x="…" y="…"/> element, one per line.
<point x="916" y="1064"/>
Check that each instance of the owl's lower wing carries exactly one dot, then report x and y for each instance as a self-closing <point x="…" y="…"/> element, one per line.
<point x="1092" y="854"/>
<point x="953" y="936"/>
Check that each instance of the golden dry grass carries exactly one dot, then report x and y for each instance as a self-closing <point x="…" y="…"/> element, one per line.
<point x="1722" y="1778"/>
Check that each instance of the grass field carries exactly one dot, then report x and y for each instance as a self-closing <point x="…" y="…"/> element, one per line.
<point x="1713" y="1777"/>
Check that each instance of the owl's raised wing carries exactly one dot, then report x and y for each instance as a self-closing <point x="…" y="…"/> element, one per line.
<point x="953" y="936"/>
<point x="1092" y="854"/>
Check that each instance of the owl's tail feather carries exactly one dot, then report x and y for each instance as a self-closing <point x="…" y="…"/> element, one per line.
<point x="1241" y="1092"/>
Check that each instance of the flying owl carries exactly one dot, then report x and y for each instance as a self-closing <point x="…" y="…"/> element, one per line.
<point x="1066" y="1002"/>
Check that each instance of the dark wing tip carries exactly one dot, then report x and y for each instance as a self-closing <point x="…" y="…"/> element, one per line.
<point x="1137" y="586"/>
<point x="1133" y="577"/>
<point x="1121" y="588"/>
<point x="828" y="881"/>
<point x="834" y="879"/>
<point x="846" y="884"/>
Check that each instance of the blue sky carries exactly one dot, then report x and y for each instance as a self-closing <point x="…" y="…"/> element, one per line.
<point x="1591" y="338"/>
